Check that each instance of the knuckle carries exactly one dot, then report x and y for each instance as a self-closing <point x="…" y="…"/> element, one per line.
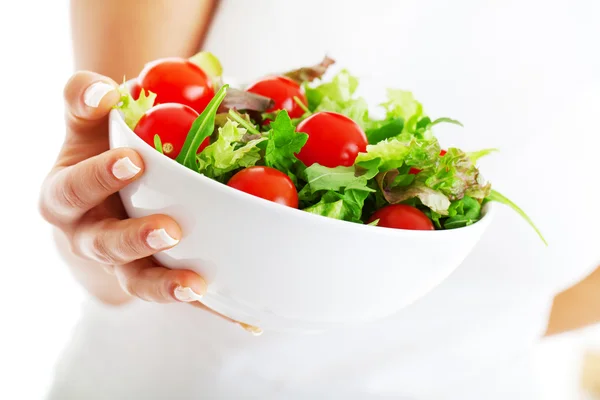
<point x="102" y="179"/>
<point x="103" y="253"/>
<point x="71" y="195"/>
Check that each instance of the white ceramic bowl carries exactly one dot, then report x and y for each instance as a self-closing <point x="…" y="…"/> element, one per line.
<point x="284" y="269"/>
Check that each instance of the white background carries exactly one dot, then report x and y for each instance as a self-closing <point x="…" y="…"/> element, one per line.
<point x="39" y="301"/>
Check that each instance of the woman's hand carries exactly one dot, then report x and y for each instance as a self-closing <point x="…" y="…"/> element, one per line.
<point x="80" y="198"/>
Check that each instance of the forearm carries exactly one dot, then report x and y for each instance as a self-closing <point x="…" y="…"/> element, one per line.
<point x="576" y="307"/>
<point x="116" y="38"/>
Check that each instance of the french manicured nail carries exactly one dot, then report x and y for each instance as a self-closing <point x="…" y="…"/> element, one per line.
<point x="95" y="92"/>
<point x="186" y="294"/>
<point x="159" y="239"/>
<point x="124" y="169"/>
<point x="255" y="330"/>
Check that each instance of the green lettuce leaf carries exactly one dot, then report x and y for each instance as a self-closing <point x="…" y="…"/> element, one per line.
<point x="463" y="212"/>
<point x="339" y="90"/>
<point x="476" y="155"/>
<point x="393" y="153"/>
<point x="319" y="178"/>
<point x="402" y="104"/>
<point x="132" y="110"/>
<point x="210" y="64"/>
<point x="229" y="152"/>
<point x="283" y="144"/>
<point x="346" y="206"/>
<point x="455" y="175"/>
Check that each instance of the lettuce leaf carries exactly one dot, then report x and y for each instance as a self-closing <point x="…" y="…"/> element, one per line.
<point x="283" y="144"/>
<point x="463" y="212"/>
<point x="402" y="104"/>
<point x="319" y="178"/>
<point x="132" y="110"/>
<point x="393" y="193"/>
<point x="346" y="206"/>
<point x="228" y="152"/>
<point x="476" y="155"/>
<point x="340" y="90"/>
<point x="393" y="153"/>
<point x="455" y="175"/>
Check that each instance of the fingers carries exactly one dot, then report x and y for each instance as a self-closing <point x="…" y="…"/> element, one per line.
<point x="70" y="192"/>
<point x="148" y="281"/>
<point x="117" y="242"/>
<point x="88" y="97"/>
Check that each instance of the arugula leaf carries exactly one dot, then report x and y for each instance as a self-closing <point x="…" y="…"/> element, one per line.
<point x="446" y="120"/>
<point x="132" y="110"/>
<point x="476" y="155"/>
<point x="433" y="199"/>
<point x="158" y="144"/>
<point x="228" y="152"/>
<point x="463" y="212"/>
<point x="346" y="206"/>
<point x="284" y="143"/>
<point x="319" y="177"/>
<point x="202" y="128"/>
<point x="500" y="198"/>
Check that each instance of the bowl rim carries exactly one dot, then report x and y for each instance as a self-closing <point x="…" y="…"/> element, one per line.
<point x="487" y="212"/>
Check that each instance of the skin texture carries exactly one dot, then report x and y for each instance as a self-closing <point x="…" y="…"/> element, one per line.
<point x="77" y="197"/>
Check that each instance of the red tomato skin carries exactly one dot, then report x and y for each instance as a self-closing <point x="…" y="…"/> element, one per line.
<point x="333" y="140"/>
<point x="402" y="216"/>
<point x="415" y="171"/>
<point x="177" y="80"/>
<point x="282" y="91"/>
<point x="136" y="90"/>
<point x="170" y="121"/>
<point x="267" y="183"/>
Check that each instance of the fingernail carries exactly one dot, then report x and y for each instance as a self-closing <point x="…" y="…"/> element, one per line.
<point x="159" y="239"/>
<point x="124" y="169"/>
<point x="95" y="92"/>
<point x="254" y="330"/>
<point x="186" y="294"/>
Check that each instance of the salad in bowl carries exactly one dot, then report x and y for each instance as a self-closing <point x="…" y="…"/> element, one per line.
<point x="301" y="209"/>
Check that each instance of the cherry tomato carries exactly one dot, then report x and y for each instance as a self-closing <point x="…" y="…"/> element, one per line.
<point x="267" y="183"/>
<point x="282" y="91"/>
<point x="170" y="121"/>
<point x="333" y="140"/>
<point x="402" y="216"/>
<point x="136" y="89"/>
<point x="177" y="80"/>
<point x="415" y="171"/>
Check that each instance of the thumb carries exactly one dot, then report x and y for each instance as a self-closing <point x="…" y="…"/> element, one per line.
<point x="89" y="97"/>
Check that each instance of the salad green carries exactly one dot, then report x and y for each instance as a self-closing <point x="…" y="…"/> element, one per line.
<point x="404" y="162"/>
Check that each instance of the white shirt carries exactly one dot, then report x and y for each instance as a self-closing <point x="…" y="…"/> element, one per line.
<point x="521" y="76"/>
